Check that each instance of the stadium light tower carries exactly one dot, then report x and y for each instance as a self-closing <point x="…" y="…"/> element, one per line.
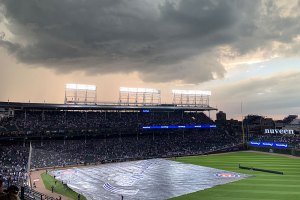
<point x="139" y="96"/>
<point x="80" y="94"/>
<point x="196" y="98"/>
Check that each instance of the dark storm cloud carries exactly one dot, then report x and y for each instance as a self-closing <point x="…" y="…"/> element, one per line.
<point x="8" y="45"/>
<point x="162" y="40"/>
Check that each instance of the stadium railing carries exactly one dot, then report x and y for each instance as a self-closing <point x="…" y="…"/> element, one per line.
<point x="30" y="194"/>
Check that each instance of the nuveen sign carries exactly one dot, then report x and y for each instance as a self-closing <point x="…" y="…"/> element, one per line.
<point x="278" y="131"/>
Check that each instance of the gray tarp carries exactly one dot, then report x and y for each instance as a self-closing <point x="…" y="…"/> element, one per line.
<point x="147" y="179"/>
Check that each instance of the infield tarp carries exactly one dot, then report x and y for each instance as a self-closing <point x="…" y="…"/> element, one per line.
<point x="147" y="179"/>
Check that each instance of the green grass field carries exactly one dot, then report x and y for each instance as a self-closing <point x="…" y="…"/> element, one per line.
<point x="261" y="186"/>
<point x="59" y="187"/>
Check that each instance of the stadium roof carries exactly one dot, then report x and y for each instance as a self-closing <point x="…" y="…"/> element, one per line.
<point x="102" y="106"/>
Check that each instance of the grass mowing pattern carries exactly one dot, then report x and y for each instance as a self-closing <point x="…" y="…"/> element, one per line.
<point x="262" y="186"/>
<point x="59" y="187"/>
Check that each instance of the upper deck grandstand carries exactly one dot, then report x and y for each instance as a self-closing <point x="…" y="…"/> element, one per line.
<point x="35" y="119"/>
<point x="68" y="134"/>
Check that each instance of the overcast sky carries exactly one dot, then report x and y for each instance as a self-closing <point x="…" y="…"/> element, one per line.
<point x="242" y="50"/>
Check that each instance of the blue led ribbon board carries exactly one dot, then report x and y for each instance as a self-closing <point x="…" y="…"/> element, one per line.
<point x="268" y="144"/>
<point x="180" y="126"/>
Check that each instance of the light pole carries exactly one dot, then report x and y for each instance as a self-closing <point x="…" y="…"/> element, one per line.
<point x="243" y="132"/>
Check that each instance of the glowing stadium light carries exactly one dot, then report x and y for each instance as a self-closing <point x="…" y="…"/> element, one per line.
<point x="139" y="96"/>
<point x="139" y="90"/>
<point x="80" y="87"/>
<point x="191" y="98"/>
<point x="80" y="93"/>
<point x="192" y="92"/>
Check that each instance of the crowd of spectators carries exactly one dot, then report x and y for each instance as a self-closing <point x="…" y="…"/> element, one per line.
<point x="134" y="142"/>
<point x="90" y="123"/>
<point x="111" y="148"/>
<point x="293" y="140"/>
<point x="57" y="123"/>
<point x="255" y="126"/>
<point x="11" y="193"/>
<point x="72" y="152"/>
<point x="120" y="148"/>
<point x="13" y="162"/>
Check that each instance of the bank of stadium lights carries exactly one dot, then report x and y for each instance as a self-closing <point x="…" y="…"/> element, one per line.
<point x="192" y="92"/>
<point x="139" y="96"/>
<point x="139" y="90"/>
<point x="80" y="94"/>
<point x="80" y="87"/>
<point x="197" y="98"/>
<point x="87" y="94"/>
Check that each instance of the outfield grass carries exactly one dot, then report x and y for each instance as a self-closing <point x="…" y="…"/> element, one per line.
<point x="261" y="186"/>
<point x="59" y="187"/>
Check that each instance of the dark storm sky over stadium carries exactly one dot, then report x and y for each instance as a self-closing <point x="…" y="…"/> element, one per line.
<point x="241" y="50"/>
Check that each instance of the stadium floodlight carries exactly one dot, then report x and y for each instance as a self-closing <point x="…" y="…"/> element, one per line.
<point x="80" y="93"/>
<point x="192" y="92"/>
<point x="80" y="87"/>
<point x="197" y="98"/>
<point x="139" y="96"/>
<point x="139" y="90"/>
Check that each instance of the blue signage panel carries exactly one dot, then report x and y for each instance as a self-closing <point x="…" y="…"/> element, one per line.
<point x="180" y="126"/>
<point x="269" y="144"/>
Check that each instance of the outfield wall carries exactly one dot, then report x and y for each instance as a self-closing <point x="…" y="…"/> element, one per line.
<point x="288" y="151"/>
